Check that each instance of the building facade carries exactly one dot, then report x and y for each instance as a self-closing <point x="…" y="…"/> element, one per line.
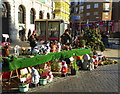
<point x="87" y="12"/>
<point x="21" y="13"/>
<point x="116" y="16"/>
<point x="62" y="11"/>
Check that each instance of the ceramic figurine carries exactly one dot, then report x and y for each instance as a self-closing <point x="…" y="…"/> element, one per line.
<point x="58" y="47"/>
<point x="64" y="69"/>
<point x="16" y="50"/>
<point x="91" y="67"/>
<point x="35" y="76"/>
<point x="47" y="48"/>
<point x="35" y="51"/>
<point x="86" y="62"/>
<point x="95" y="61"/>
<point x="54" y="47"/>
<point x="50" y="76"/>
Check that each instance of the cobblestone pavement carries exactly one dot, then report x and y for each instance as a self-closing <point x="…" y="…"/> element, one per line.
<point x="103" y="79"/>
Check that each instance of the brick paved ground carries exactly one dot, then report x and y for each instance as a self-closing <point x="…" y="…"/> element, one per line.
<point x="103" y="79"/>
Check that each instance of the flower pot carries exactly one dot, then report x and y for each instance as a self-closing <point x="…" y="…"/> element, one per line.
<point x="24" y="88"/>
<point x="43" y="81"/>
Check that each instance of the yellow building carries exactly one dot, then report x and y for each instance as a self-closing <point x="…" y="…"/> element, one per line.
<point x="62" y="11"/>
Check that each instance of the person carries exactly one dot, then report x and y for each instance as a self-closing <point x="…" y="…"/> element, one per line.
<point x="65" y="38"/>
<point x="105" y="39"/>
<point x="29" y="33"/>
<point x="32" y="42"/>
<point x="23" y="34"/>
<point x="35" y="35"/>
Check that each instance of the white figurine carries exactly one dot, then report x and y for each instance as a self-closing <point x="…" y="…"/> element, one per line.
<point x="50" y="76"/>
<point x="35" y="76"/>
<point x="16" y="50"/>
<point x="58" y="47"/>
<point x="35" y="51"/>
<point x="47" y="48"/>
<point x="91" y="64"/>
<point x="86" y="62"/>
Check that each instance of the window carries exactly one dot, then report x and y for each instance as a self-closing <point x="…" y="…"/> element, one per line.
<point x="106" y="13"/>
<point x="88" y="6"/>
<point x="21" y="15"/>
<point x="95" y="13"/>
<point x="87" y="14"/>
<point x="32" y="16"/>
<point x="81" y="9"/>
<point x="107" y="6"/>
<point x="96" y="5"/>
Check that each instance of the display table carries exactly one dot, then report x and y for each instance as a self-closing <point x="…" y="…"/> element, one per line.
<point x="40" y="59"/>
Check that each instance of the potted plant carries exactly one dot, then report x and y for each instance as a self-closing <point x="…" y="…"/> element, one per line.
<point x="74" y="67"/>
<point x="24" y="87"/>
<point x="43" y="76"/>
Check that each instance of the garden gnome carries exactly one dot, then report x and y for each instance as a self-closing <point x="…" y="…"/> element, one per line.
<point x="64" y="69"/>
<point x="50" y="76"/>
<point x="92" y="64"/>
<point x="95" y="61"/>
<point x="58" y="47"/>
<point x="16" y="50"/>
<point x="35" y="76"/>
<point x="36" y="51"/>
<point x="86" y="58"/>
<point x="54" y="47"/>
<point x="47" y="48"/>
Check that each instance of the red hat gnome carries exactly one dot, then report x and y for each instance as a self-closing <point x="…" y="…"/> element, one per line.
<point x="50" y="76"/>
<point x="64" y="69"/>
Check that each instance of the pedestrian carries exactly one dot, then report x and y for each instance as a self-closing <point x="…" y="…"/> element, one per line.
<point x="23" y="34"/>
<point x="32" y="42"/>
<point x="35" y="35"/>
<point x="65" y="38"/>
<point x="29" y="34"/>
<point x="105" y="39"/>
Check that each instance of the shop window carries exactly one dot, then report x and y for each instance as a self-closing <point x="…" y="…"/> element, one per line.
<point x="21" y="15"/>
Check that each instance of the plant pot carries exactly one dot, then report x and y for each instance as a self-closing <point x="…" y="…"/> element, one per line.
<point x="43" y="81"/>
<point x="24" y="88"/>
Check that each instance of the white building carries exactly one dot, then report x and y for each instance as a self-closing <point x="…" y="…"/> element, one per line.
<point x="21" y="13"/>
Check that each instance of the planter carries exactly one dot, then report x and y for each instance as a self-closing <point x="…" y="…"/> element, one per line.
<point x="43" y="81"/>
<point x="24" y="88"/>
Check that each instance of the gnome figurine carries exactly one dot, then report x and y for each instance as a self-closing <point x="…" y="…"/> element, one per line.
<point x="86" y="62"/>
<point x="95" y="61"/>
<point x="64" y="69"/>
<point x="35" y="76"/>
<point x="16" y="50"/>
<point x="50" y="76"/>
<point x="58" y="47"/>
